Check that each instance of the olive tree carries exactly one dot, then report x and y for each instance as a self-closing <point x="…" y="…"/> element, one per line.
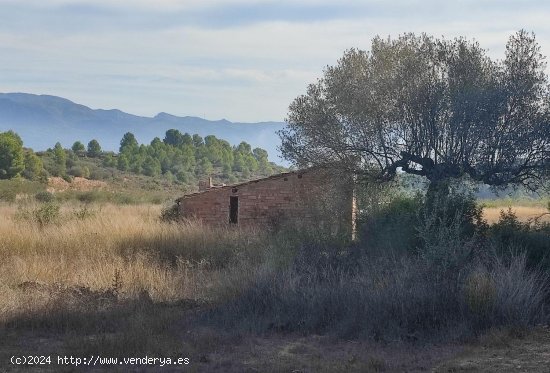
<point x="437" y="108"/>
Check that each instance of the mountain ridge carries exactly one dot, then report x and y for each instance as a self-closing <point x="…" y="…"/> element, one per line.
<point x="43" y="120"/>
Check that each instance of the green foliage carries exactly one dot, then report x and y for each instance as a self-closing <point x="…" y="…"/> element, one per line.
<point x="44" y="196"/>
<point x="78" y="148"/>
<point x="12" y="158"/>
<point x="46" y="214"/>
<point x="123" y="163"/>
<point x="60" y="160"/>
<point x="16" y="161"/>
<point x="510" y="236"/>
<point x="128" y="143"/>
<point x="448" y="227"/>
<point x="109" y="160"/>
<point x="178" y="159"/>
<point x="175" y="138"/>
<point x="34" y="167"/>
<point x="98" y="173"/>
<point x="391" y="227"/>
<point x="187" y="158"/>
<point x="170" y="213"/>
<point x="151" y="166"/>
<point x="434" y="107"/>
<point x="94" y="149"/>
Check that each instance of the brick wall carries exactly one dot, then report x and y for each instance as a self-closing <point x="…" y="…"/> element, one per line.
<point x="307" y="197"/>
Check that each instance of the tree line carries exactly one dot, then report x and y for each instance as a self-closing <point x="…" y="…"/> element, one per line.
<point x="179" y="157"/>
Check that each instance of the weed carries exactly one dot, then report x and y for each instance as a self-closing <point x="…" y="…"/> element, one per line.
<point x="84" y="212"/>
<point x="116" y="285"/>
<point x="170" y="213"/>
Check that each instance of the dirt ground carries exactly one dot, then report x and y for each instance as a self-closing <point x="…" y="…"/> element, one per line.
<point x="497" y="352"/>
<point x="57" y="184"/>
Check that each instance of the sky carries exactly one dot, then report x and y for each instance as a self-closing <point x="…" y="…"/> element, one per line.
<point x="242" y="60"/>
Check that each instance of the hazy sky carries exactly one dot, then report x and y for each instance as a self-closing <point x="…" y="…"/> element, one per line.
<point x="244" y="60"/>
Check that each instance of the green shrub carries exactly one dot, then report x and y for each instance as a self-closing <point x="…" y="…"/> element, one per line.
<point x="44" y="196"/>
<point x="447" y="233"/>
<point x="97" y="173"/>
<point x="78" y="171"/>
<point x="511" y="236"/>
<point x="441" y="287"/>
<point x="48" y="213"/>
<point x="125" y="199"/>
<point x="409" y="224"/>
<point x="170" y="213"/>
<point x="91" y="196"/>
<point x="391" y="227"/>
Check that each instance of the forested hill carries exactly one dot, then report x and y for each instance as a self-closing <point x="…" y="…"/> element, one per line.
<point x="42" y="120"/>
<point x="179" y="160"/>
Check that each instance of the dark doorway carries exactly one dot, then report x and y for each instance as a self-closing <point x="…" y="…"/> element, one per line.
<point x="233" y="209"/>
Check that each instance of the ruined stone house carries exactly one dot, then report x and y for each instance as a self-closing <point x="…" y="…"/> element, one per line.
<point x="312" y="197"/>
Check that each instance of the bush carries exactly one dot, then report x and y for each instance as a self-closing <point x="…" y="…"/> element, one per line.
<point x="506" y="295"/>
<point x="170" y="213"/>
<point x="90" y="196"/>
<point x="447" y="232"/>
<point x="380" y="299"/>
<point x="48" y="213"/>
<point x="520" y="293"/>
<point x="44" y="196"/>
<point x="411" y="224"/>
<point x="480" y="295"/>
<point x="391" y="227"/>
<point x="78" y="171"/>
<point x="97" y="173"/>
<point x="510" y="236"/>
<point x="449" y="284"/>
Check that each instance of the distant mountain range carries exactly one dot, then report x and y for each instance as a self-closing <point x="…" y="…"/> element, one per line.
<point x="43" y="120"/>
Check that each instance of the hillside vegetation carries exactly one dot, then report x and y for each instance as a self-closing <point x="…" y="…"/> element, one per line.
<point x="138" y="172"/>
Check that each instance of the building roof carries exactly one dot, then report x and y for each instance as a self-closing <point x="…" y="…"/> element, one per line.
<point x="272" y="177"/>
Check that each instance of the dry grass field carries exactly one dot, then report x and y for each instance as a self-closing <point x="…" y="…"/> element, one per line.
<point x="88" y="250"/>
<point x="113" y="280"/>
<point x="524" y="213"/>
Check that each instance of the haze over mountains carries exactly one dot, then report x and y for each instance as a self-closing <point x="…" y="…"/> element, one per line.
<point x="43" y="120"/>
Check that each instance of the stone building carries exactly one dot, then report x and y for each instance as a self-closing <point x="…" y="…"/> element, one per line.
<point x="311" y="197"/>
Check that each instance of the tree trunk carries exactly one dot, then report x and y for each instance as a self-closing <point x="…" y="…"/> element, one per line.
<point x="438" y="191"/>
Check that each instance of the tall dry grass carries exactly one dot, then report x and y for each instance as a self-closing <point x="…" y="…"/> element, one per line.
<point x="121" y="278"/>
<point x="128" y="245"/>
<point x="524" y="213"/>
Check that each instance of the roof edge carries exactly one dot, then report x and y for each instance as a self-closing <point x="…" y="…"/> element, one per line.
<point x="272" y="177"/>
